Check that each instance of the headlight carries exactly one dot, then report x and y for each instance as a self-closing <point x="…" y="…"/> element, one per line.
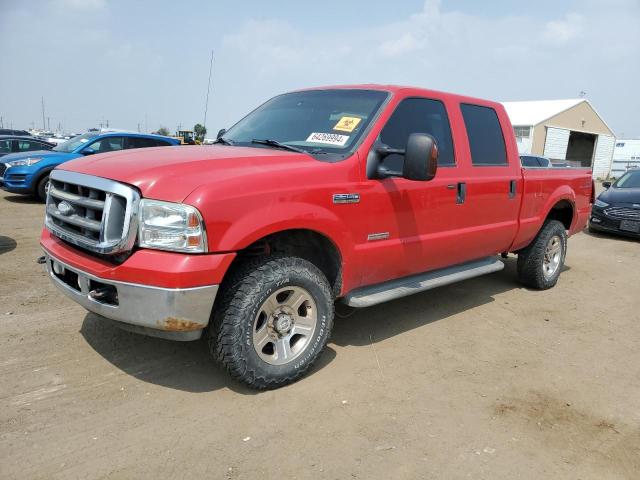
<point x="171" y="226"/>
<point x="599" y="203"/>
<point x="25" y="162"/>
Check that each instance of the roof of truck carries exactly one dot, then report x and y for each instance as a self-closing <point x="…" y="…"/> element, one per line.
<point x="399" y="88"/>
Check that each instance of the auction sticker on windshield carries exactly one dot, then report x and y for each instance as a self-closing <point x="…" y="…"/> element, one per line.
<point x="328" y="138"/>
<point x="347" y="124"/>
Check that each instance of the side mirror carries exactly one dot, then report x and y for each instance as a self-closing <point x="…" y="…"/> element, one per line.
<point x="88" y="151"/>
<point x="606" y="184"/>
<point x="420" y="159"/>
<point x="221" y="132"/>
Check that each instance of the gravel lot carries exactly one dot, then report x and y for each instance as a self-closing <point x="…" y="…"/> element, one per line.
<point x="483" y="379"/>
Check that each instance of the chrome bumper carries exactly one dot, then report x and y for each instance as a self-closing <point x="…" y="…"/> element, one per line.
<point x="172" y="313"/>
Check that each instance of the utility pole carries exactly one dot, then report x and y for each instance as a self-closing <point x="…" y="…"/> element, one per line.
<point x="48" y="124"/>
<point x="107" y="123"/>
<point x="138" y="127"/>
<point x="1" y="124"/>
<point x="206" y="102"/>
<point x="44" y="126"/>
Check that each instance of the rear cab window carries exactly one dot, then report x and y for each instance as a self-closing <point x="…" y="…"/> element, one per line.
<point x="486" y="140"/>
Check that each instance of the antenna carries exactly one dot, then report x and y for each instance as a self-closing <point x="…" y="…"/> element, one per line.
<point x="206" y="102"/>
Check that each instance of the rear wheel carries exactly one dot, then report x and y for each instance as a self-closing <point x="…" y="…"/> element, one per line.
<point x="540" y="264"/>
<point x="42" y="188"/>
<point x="272" y="321"/>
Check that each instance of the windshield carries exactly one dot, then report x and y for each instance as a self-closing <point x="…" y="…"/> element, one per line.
<point x="629" y="180"/>
<point x="72" y="144"/>
<point x="314" y="120"/>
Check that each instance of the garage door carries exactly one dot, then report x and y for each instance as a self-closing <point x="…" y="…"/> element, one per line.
<point x="603" y="155"/>
<point x="555" y="145"/>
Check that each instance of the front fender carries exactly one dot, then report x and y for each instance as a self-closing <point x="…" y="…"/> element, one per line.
<point x="260" y="222"/>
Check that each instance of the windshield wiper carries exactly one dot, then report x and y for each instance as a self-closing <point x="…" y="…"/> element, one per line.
<point x="224" y="141"/>
<point x="275" y="143"/>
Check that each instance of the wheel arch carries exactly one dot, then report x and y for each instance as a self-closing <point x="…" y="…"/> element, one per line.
<point x="312" y="245"/>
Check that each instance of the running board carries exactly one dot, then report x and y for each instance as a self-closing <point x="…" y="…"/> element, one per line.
<point x="402" y="287"/>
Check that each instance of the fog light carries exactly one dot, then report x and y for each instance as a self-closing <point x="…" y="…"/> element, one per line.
<point x="595" y="220"/>
<point x="58" y="268"/>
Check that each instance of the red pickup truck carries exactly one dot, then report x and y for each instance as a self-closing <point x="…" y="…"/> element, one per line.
<point x="357" y="194"/>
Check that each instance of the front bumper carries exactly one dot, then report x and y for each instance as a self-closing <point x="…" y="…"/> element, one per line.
<point x="172" y="313"/>
<point x="16" y="179"/>
<point x="601" y="222"/>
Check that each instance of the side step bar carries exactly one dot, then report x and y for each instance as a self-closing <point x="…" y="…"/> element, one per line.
<point x="402" y="287"/>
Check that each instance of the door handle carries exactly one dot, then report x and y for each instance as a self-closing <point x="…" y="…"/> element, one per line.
<point x="462" y="193"/>
<point x="512" y="189"/>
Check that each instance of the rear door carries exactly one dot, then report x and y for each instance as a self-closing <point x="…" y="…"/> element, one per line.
<point x="493" y="185"/>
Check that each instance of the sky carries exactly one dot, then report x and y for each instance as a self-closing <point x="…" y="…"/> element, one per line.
<point x="145" y="64"/>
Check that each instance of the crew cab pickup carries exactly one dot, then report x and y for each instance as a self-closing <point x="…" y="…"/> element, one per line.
<point x="352" y="194"/>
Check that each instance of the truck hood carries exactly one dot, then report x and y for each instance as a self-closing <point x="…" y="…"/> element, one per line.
<point x="172" y="173"/>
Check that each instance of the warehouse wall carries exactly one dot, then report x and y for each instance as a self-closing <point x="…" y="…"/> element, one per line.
<point x="572" y="120"/>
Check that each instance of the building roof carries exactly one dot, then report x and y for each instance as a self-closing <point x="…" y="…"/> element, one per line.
<point x="537" y="111"/>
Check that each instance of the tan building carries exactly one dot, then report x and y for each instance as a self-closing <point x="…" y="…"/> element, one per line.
<point x="566" y="131"/>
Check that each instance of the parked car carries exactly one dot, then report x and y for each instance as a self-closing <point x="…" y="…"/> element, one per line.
<point x="11" y="131"/>
<point x="28" y="172"/>
<point x="617" y="209"/>
<point x="15" y="144"/>
<point x="356" y="194"/>
<point x="535" y="161"/>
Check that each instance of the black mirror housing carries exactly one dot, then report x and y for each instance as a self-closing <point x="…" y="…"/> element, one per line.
<point x="221" y="132"/>
<point x="420" y="157"/>
<point x="88" y="151"/>
<point x="606" y="184"/>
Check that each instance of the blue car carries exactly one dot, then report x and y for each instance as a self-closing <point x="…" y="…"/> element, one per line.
<point x="28" y="172"/>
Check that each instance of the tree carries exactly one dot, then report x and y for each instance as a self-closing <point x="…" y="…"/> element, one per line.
<point x="200" y="131"/>
<point x="162" y="131"/>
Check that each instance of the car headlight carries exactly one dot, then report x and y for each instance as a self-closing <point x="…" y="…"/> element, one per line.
<point x="600" y="204"/>
<point x="25" y="162"/>
<point x="171" y="226"/>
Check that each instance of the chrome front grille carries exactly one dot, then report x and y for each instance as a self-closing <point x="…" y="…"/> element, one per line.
<point x="94" y="213"/>
<point x="623" y="213"/>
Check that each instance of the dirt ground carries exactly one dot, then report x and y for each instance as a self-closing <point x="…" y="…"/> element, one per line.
<point x="482" y="379"/>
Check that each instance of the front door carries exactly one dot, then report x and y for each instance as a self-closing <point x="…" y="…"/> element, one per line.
<point x="414" y="227"/>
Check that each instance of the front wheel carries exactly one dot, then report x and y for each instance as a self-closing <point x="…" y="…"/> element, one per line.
<point x="540" y="263"/>
<point x="272" y="321"/>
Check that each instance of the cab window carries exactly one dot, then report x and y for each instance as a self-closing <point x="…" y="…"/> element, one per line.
<point x="485" y="135"/>
<point x="418" y="115"/>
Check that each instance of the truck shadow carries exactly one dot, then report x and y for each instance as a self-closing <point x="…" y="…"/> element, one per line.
<point x="188" y="366"/>
<point x="373" y="324"/>
<point x="185" y="366"/>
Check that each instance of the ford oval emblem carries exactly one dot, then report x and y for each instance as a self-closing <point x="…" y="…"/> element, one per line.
<point x="65" y="208"/>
